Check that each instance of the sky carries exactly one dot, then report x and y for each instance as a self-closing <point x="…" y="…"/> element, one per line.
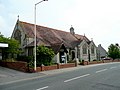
<point x="97" y="19"/>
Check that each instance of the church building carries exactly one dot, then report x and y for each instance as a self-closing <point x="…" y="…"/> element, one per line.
<point x="67" y="46"/>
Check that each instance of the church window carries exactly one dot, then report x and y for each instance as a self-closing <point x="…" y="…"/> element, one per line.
<point x="84" y="49"/>
<point x="18" y="35"/>
<point x="92" y="49"/>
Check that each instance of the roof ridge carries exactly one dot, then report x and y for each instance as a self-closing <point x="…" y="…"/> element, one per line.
<point x="48" y="27"/>
<point x="43" y="26"/>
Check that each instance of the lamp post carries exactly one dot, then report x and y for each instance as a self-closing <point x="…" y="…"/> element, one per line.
<point x="35" y="33"/>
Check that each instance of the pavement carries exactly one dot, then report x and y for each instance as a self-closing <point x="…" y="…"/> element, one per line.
<point x="11" y="76"/>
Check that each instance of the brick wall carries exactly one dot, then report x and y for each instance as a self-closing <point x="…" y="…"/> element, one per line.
<point x="97" y="62"/>
<point x="85" y="62"/>
<point x="67" y="65"/>
<point x="45" y="68"/>
<point x="18" y="65"/>
<point x="22" y="66"/>
<point x="57" y="66"/>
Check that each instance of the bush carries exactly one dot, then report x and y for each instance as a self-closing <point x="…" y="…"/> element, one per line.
<point x="9" y="60"/>
<point x="114" y="51"/>
<point x="71" y="61"/>
<point x="31" y="64"/>
<point x="28" y="59"/>
<point x="25" y="58"/>
<point x="22" y="58"/>
<point x="44" y="56"/>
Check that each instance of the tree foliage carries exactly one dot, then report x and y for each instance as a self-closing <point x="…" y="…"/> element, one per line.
<point x="13" y="47"/>
<point x="44" y="56"/>
<point x="114" y="51"/>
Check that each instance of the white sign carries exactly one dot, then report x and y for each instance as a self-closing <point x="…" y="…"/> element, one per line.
<point x="3" y="45"/>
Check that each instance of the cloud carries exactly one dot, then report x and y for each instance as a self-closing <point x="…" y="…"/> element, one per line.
<point x="2" y="7"/>
<point x="2" y="22"/>
<point x="2" y="25"/>
<point x="98" y="19"/>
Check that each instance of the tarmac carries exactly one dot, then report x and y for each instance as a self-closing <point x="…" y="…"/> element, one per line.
<point x="8" y="76"/>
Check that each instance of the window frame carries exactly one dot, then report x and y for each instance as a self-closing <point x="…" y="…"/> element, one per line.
<point x="92" y="49"/>
<point x="84" y="49"/>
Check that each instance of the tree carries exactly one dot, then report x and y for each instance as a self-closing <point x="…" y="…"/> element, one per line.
<point x="12" y="49"/>
<point x="113" y="51"/>
<point x="44" y="55"/>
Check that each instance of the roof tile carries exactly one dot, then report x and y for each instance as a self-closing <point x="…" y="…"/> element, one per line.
<point x="49" y="36"/>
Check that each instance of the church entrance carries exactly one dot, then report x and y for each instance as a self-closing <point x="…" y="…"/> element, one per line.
<point x="62" y="57"/>
<point x="73" y="55"/>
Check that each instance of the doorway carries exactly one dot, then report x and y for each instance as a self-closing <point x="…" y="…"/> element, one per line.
<point x="73" y="55"/>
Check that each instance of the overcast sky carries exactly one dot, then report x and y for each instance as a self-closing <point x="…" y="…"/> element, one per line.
<point x="97" y="19"/>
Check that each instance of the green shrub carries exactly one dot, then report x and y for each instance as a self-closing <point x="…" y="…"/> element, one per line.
<point x="25" y="58"/>
<point x="71" y="61"/>
<point x="44" y="56"/>
<point x="9" y="60"/>
<point x="31" y="64"/>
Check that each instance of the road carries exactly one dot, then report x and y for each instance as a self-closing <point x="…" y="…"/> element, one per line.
<point x="101" y="77"/>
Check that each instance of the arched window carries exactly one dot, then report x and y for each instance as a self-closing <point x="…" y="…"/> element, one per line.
<point x="84" y="49"/>
<point x="18" y="35"/>
<point x="92" y="49"/>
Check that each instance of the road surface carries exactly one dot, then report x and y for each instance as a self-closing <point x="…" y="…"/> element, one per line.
<point x="101" y="77"/>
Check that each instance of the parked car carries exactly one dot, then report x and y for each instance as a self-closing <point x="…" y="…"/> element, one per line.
<point x="106" y="58"/>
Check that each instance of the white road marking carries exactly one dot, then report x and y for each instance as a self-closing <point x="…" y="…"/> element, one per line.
<point x="76" y="77"/>
<point x="113" y="67"/>
<point x="42" y="88"/>
<point x="101" y="70"/>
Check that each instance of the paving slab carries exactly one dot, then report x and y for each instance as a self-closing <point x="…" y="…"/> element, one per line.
<point x="9" y="75"/>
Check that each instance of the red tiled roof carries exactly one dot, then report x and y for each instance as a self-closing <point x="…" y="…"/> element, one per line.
<point x="49" y="36"/>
